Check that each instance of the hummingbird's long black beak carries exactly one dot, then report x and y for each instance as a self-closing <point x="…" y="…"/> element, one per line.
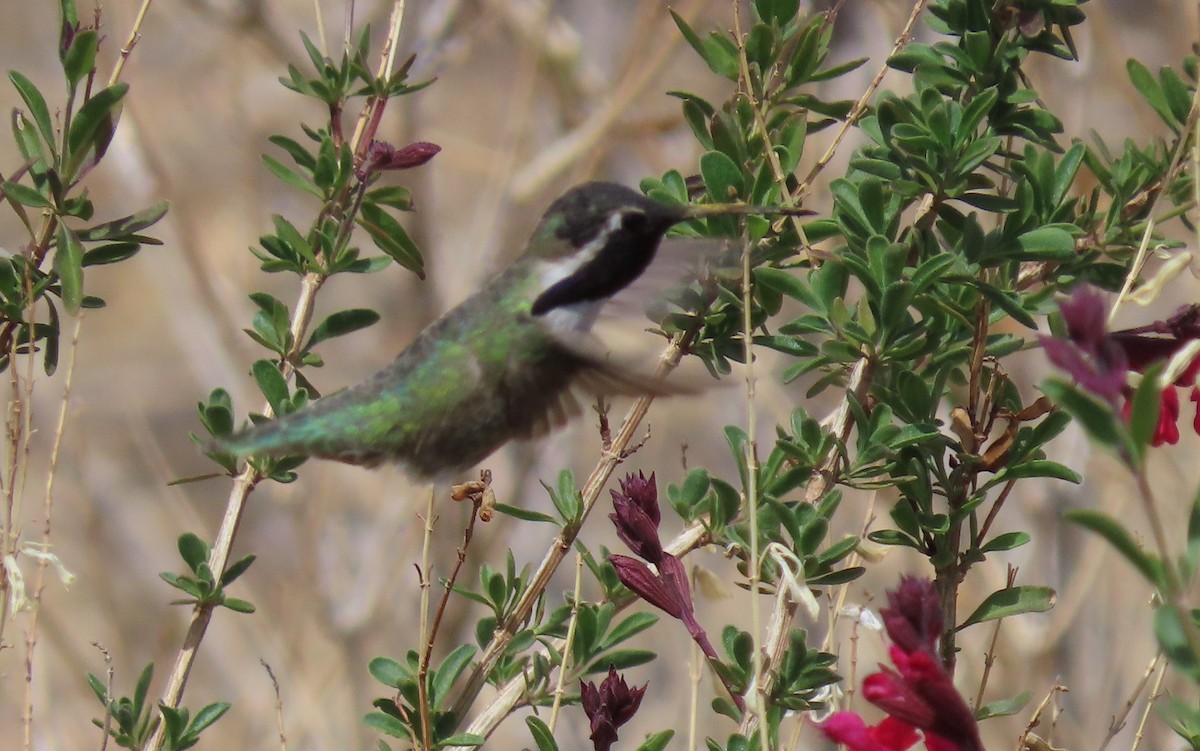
<point x="700" y="211"/>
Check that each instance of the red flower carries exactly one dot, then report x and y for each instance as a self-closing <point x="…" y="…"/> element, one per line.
<point x="918" y="694"/>
<point x="1101" y="361"/>
<point x="849" y="730"/>
<point x="1167" y="430"/>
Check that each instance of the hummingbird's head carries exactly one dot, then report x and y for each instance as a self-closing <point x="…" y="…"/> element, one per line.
<point x="595" y="240"/>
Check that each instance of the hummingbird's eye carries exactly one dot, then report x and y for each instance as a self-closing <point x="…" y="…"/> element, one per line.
<point x="633" y="221"/>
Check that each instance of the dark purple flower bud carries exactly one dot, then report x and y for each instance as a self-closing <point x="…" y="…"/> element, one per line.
<point x="643" y="491"/>
<point x="609" y="707"/>
<point x="913" y="618"/>
<point x="383" y="156"/>
<point x="636" y="517"/>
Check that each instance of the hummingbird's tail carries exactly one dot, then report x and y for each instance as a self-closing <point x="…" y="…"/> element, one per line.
<point x="304" y="433"/>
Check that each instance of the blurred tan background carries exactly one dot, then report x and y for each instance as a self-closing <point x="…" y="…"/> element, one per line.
<point x="520" y="84"/>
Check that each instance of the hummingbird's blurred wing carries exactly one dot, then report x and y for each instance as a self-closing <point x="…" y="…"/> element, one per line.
<point x="614" y="341"/>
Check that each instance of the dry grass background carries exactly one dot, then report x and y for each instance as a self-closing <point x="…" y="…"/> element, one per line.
<point x="518" y="83"/>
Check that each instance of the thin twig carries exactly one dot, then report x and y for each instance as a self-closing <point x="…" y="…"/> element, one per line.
<point x="1178" y="155"/>
<point x="31" y="633"/>
<point x="590" y="494"/>
<point x="245" y="482"/>
<point x="1153" y="697"/>
<point x="424" y="638"/>
<point x="278" y="704"/>
<point x="1175" y="592"/>
<point x="512" y="692"/>
<point x="860" y="108"/>
<point x="135" y="34"/>
<point x="566" y="654"/>
<point x="755" y="696"/>
<point x="989" y="657"/>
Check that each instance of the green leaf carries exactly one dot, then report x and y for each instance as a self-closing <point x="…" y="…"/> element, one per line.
<point x="68" y="266"/>
<point x="1096" y="417"/>
<point x="386" y="724"/>
<point x="391" y="238"/>
<point x="341" y="323"/>
<point x="110" y="253"/>
<point x="621" y="659"/>
<point x="541" y="734"/>
<point x="1047" y="244"/>
<point x="1005" y="541"/>
<point x="24" y="195"/>
<point x="524" y="514"/>
<point x="291" y="177"/>
<point x="272" y="383"/>
<point x="37" y="106"/>
<point x="631" y="626"/>
<point x="464" y="739"/>
<point x="93" y="127"/>
<point x="658" y="741"/>
<point x="238" y="606"/>
<point x="785" y="283"/>
<point x="396" y="196"/>
<point x="1143" y="417"/>
<point x="1120" y="538"/>
<point x="1040" y="468"/>
<point x="207" y="716"/>
<point x="1003" y="707"/>
<point x="237" y="568"/>
<point x="723" y="179"/>
<point x="388" y="672"/>
<point x="1174" y="642"/>
<point x="193" y="550"/>
<point x="1144" y="82"/>
<point x="80" y="58"/>
<point x="1012" y="601"/>
<point x="122" y="229"/>
<point x="450" y="669"/>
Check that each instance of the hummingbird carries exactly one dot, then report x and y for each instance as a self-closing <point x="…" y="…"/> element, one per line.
<point x="506" y="363"/>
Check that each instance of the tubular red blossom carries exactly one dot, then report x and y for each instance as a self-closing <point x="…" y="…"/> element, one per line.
<point x="849" y="730"/>
<point x="919" y="693"/>
<point x="890" y="692"/>
<point x="1101" y="361"/>
<point x="1167" y="430"/>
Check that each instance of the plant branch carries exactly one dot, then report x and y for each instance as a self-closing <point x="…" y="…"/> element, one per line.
<point x="249" y="477"/>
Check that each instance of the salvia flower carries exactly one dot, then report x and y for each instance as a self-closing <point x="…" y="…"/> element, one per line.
<point x="636" y="516"/>
<point x="1101" y="361"/>
<point x="918" y="694"/>
<point x="609" y="707"/>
